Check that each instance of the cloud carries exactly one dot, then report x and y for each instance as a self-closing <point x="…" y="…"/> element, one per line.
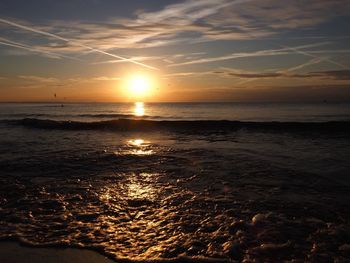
<point x="38" y="79"/>
<point x="188" y="74"/>
<point x="236" y="20"/>
<point x="137" y="58"/>
<point x="311" y="62"/>
<point x="301" y="93"/>
<point x="276" y="15"/>
<point x="330" y="75"/>
<point x="34" y="82"/>
<point x="190" y="21"/>
<point x="256" y="75"/>
<point x="166" y="58"/>
<point x="14" y="44"/>
<point x="247" y="75"/>
<point x="309" y="54"/>
<point x="186" y="12"/>
<point x="259" y="53"/>
<point x="73" y="42"/>
<point x="31" y="81"/>
<point x="180" y="74"/>
<point x="104" y="78"/>
<point x="262" y="93"/>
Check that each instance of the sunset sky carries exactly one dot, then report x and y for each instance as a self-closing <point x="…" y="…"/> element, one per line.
<point x="192" y="50"/>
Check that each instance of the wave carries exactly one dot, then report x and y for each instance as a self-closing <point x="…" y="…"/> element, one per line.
<point x="180" y="125"/>
<point x="111" y="115"/>
<point x="102" y="115"/>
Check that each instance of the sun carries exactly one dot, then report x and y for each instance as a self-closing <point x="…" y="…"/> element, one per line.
<point x="139" y="86"/>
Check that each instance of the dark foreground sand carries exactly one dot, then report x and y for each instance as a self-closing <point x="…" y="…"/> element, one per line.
<point x="11" y="252"/>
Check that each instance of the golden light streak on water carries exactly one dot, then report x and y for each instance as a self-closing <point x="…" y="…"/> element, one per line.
<point x="139" y="109"/>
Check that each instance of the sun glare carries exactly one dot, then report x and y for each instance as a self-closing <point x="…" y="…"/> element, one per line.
<point x="139" y="86"/>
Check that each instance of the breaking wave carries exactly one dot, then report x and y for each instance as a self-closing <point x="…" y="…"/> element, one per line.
<point x="181" y="125"/>
<point x="101" y="115"/>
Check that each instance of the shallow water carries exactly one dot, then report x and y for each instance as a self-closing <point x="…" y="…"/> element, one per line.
<point x="243" y="194"/>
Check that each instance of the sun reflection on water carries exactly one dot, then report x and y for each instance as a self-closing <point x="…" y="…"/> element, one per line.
<point x="139" y="109"/>
<point x="138" y="147"/>
<point x="134" y="186"/>
<point x="141" y="188"/>
<point x="136" y="142"/>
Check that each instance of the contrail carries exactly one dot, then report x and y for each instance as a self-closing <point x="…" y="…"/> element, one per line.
<point x="298" y="51"/>
<point x="308" y="63"/>
<point x="313" y="61"/>
<point x="25" y="47"/>
<point x="259" y="53"/>
<point x="73" y="42"/>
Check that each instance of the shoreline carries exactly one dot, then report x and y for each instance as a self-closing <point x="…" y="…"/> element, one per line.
<point x="12" y="251"/>
<point x="16" y="252"/>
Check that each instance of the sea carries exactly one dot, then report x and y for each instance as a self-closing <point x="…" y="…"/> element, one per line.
<point x="178" y="182"/>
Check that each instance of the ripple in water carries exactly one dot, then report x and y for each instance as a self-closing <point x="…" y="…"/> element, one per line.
<point x="137" y="147"/>
<point x="160" y="203"/>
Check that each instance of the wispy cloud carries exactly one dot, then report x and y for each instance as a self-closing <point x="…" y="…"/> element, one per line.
<point x="281" y="73"/>
<point x="181" y="74"/>
<point x="311" y="62"/>
<point x="14" y="44"/>
<point x="38" y="79"/>
<point x="331" y="74"/>
<point x="309" y="54"/>
<point x="188" y="74"/>
<point x="259" y="53"/>
<point x="104" y="78"/>
<point x="187" y="12"/>
<point x="189" y="21"/>
<point x="138" y="58"/>
<point x="166" y="58"/>
<point x="248" y="76"/>
<point x="32" y="81"/>
<point x="35" y="82"/>
<point x="74" y="42"/>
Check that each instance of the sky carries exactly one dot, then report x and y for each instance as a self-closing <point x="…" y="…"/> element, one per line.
<point x="188" y="50"/>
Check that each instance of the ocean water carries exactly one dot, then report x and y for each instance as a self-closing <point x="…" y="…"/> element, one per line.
<point x="284" y="112"/>
<point x="182" y="181"/>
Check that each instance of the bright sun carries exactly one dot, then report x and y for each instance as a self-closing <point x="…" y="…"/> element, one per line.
<point x="139" y="86"/>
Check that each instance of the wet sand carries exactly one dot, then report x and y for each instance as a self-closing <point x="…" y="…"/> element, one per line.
<point x="11" y="252"/>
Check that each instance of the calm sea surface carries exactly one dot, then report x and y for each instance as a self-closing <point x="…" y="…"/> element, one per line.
<point x="148" y="181"/>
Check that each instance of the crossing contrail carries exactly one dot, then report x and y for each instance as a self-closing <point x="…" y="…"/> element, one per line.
<point x="31" y="29"/>
<point x="298" y="51"/>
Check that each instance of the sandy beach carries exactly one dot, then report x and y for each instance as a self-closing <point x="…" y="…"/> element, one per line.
<point x="11" y="252"/>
